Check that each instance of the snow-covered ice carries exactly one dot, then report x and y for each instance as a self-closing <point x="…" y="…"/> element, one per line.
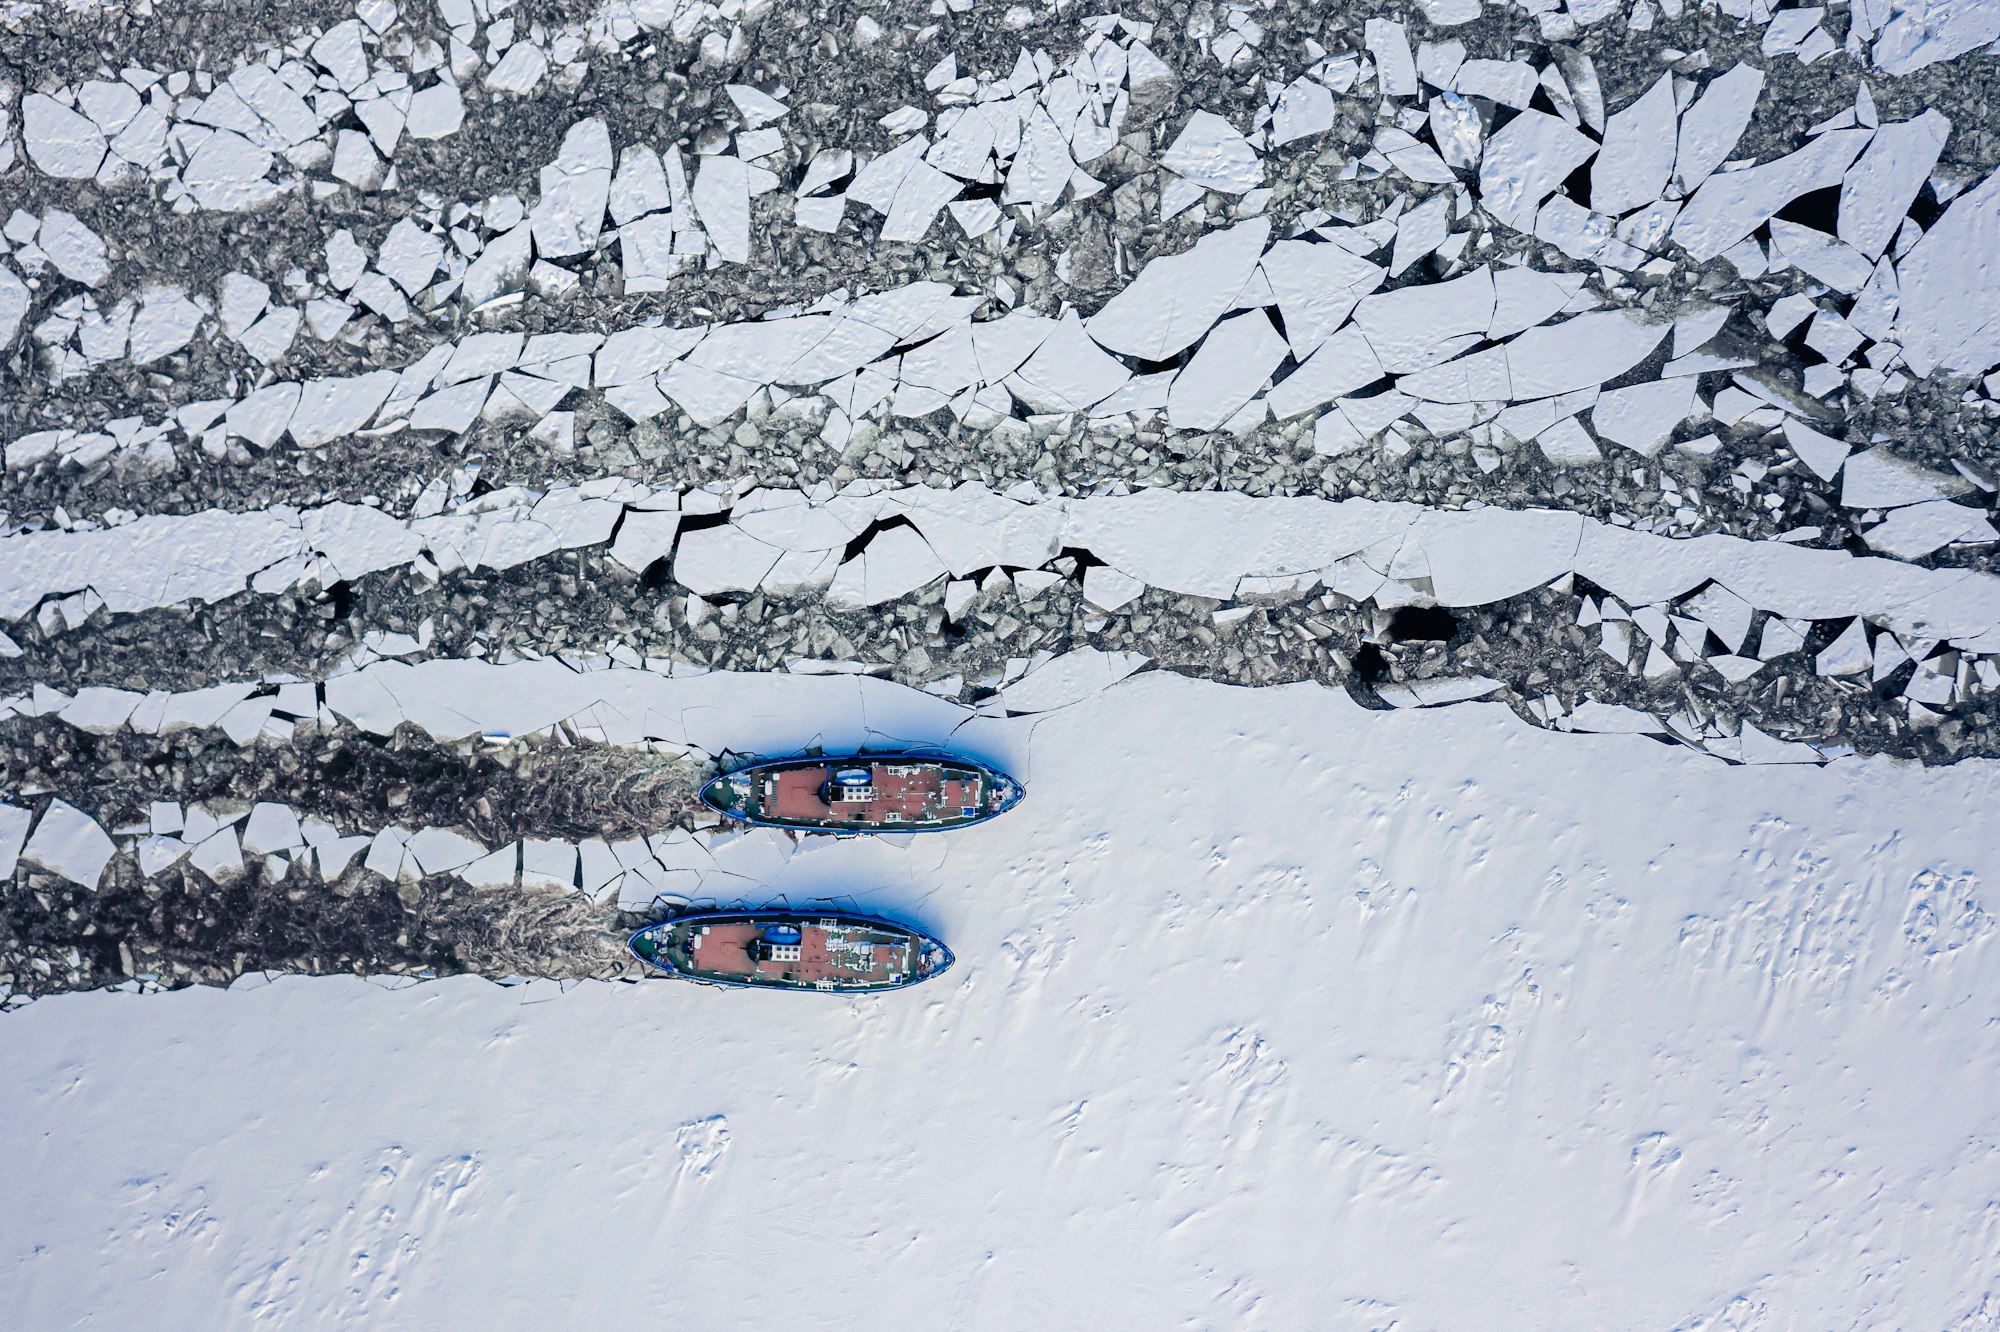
<point x="1475" y="523"/>
<point x="1236" y="1033"/>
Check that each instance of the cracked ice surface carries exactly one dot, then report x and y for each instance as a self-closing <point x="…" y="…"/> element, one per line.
<point x="1481" y="510"/>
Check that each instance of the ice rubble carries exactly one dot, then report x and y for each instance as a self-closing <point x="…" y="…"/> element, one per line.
<point x="628" y="707"/>
<point x="677" y="711"/>
<point x="1314" y="282"/>
<point x="664" y="219"/>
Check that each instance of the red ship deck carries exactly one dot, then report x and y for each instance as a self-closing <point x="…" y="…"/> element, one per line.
<point x="903" y="793"/>
<point x="844" y="957"/>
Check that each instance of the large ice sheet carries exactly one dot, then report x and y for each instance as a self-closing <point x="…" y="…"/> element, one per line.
<point x="1714" y="122"/>
<point x="152" y="561"/>
<point x="1951" y="287"/>
<point x="1342" y="364"/>
<point x="1209" y="152"/>
<point x="1205" y="542"/>
<point x="1173" y="301"/>
<point x="1549" y="359"/>
<point x="1525" y="162"/>
<point x="723" y="710"/>
<point x="1923" y="32"/>
<point x="1215" y="906"/>
<point x="1069" y="679"/>
<point x="1729" y="207"/>
<point x="1068" y="371"/>
<point x="1408" y="327"/>
<point x="1637" y="159"/>
<point x="895" y="563"/>
<point x="1235" y="359"/>
<point x="1316" y="286"/>
<point x="1882" y="184"/>
<point x="69" y="842"/>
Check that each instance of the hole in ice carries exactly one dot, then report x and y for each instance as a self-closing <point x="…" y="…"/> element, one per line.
<point x="1428" y="623"/>
<point x="1822" y="634"/>
<point x="868" y="534"/>
<point x="1084" y="559"/>
<point x="1926" y="209"/>
<point x="1370" y="666"/>
<point x="1818" y="209"/>
<point x="1577" y="185"/>
<point x="1277" y="318"/>
<point x="701" y="522"/>
<point x="1892" y="685"/>
<point x="1146" y="367"/>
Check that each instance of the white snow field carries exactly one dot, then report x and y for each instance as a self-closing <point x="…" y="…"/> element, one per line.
<point x="1270" y="1012"/>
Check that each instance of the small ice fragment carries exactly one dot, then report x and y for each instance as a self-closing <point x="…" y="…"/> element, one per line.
<point x="1568" y="444"/>
<point x="435" y="112"/>
<point x="60" y="142"/>
<point x="1847" y="654"/>
<point x="1637" y="158"/>
<point x="272" y="828"/>
<point x="721" y="196"/>
<point x="519" y="70"/>
<point x="1642" y="417"/>
<point x="1395" y="68"/>
<point x="1108" y="589"/>
<point x="78" y="253"/>
<point x="1916" y="530"/>
<point x="575" y="189"/>
<point x="1305" y="108"/>
<point x="1208" y="152"/>
<point x="757" y="108"/>
<point x="1711" y="126"/>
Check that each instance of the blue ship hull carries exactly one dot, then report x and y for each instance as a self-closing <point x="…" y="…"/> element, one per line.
<point x="831" y="952"/>
<point x="757" y="793"/>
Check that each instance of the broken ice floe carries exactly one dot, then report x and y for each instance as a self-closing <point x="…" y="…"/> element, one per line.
<point x="1668" y="142"/>
<point x="712" y="712"/>
<point x="226" y="840"/>
<point x="1318" y="325"/>
<point x="980" y="368"/>
<point x="1423" y="342"/>
<point x="871" y="544"/>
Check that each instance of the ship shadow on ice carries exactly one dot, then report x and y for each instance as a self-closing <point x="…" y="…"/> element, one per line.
<point x="905" y="908"/>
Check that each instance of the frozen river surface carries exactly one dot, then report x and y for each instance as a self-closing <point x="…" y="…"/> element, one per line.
<point x="1270" y="1012"/>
